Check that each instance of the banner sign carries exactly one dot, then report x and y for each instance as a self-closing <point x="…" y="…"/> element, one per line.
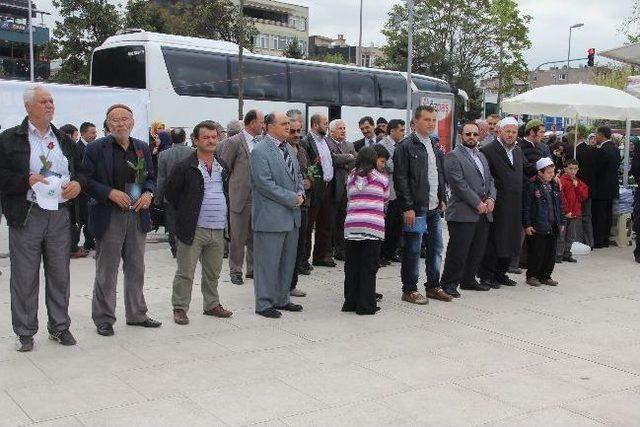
<point x="444" y="104"/>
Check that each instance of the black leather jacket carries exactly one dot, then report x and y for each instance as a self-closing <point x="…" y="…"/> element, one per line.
<point x="410" y="174"/>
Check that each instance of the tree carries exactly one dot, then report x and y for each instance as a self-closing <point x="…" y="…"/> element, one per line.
<point x="85" y="25"/>
<point x="294" y="49"/>
<point x="510" y="37"/>
<point x="615" y="77"/>
<point x="631" y="25"/>
<point x="333" y="58"/>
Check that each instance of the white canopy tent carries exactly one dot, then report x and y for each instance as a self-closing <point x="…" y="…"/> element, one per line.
<point x="579" y="100"/>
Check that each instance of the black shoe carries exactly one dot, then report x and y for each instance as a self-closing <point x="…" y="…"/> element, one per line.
<point x="452" y="293"/>
<point x="378" y="297"/>
<point x="106" y="330"/>
<point x="63" y="337"/>
<point x="24" y="343"/>
<point x="249" y="275"/>
<point x="637" y="259"/>
<point x="569" y="258"/>
<point x="236" y="278"/>
<point x="270" y="312"/>
<point x="339" y="256"/>
<point x="304" y="271"/>
<point x="383" y="263"/>
<point x="290" y="307"/>
<point x="325" y="263"/>
<point x="558" y="260"/>
<point x="505" y="281"/>
<point x="492" y="284"/>
<point x="348" y="308"/>
<point x="514" y="270"/>
<point x="365" y="313"/>
<point x="395" y="258"/>
<point x="147" y="323"/>
<point x="306" y="265"/>
<point x="475" y="286"/>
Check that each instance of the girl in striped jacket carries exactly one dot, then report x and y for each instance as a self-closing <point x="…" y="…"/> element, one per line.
<point x="368" y="192"/>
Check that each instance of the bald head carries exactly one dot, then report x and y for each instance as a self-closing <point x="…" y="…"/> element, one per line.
<point x="277" y="125"/>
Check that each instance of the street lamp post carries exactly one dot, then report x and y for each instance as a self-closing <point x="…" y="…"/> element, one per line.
<point x="409" y="60"/>
<point x="569" y="50"/>
<point x="31" y="59"/>
<point x="359" y="50"/>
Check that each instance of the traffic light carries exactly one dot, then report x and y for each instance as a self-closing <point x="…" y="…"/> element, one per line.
<point x="590" y="54"/>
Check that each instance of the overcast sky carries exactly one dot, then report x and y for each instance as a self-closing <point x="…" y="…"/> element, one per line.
<point x="549" y="29"/>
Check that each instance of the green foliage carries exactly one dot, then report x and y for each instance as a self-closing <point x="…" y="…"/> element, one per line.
<point x="615" y="77"/>
<point x="85" y="25"/>
<point x="459" y="41"/>
<point x="333" y="58"/>
<point x="294" y="49"/>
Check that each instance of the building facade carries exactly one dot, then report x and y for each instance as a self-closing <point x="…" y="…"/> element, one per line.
<point x="14" y="42"/>
<point x="563" y="75"/>
<point x="278" y="24"/>
<point x="319" y="46"/>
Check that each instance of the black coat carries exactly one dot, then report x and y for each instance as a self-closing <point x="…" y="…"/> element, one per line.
<point x="185" y="191"/>
<point x="507" y="216"/>
<point x="606" y="186"/>
<point x="410" y="174"/>
<point x="317" y="186"/>
<point x="535" y="207"/>
<point x="587" y="157"/>
<point x="532" y="153"/>
<point x="15" y="153"/>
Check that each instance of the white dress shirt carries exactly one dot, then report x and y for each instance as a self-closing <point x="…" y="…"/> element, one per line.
<point x="432" y="172"/>
<point x="40" y="147"/>
<point x="508" y="150"/>
<point x="251" y="140"/>
<point x="325" y="157"/>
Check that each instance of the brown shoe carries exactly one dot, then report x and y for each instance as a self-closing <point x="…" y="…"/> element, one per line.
<point x="180" y="316"/>
<point x="438" y="293"/>
<point x="217" y="311"/>
<point x="80" y="253"/>
<point x="550" y="282"/>
<point x="414" y="298"/>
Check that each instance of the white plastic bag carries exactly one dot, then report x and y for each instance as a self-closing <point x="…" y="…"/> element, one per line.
<point x="578" y="248"/>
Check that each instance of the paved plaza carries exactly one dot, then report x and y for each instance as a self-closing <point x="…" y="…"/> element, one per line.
<point x="522" y="356"/>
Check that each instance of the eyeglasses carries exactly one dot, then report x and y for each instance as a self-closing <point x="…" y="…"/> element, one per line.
<point x="295" y="131"/>
<point x="471" y="133"/>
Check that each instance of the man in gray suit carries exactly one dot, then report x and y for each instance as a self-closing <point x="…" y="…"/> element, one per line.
<point x="469" y="213"/>
<point x="278" y="193"/>
<point x="167" y="159"/>
<point x="233" y="154"/>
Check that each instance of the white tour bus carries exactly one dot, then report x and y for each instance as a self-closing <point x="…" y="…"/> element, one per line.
<point x="191" y="79"/>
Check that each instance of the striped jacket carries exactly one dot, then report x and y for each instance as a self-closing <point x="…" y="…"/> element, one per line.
<point x="365" y="209"/>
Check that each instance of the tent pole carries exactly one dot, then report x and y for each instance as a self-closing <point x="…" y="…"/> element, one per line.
<point x="575" y="142"/>
<point x="627" y="143"/>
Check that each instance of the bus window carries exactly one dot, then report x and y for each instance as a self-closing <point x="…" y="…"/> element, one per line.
<point x="262" y="79"/>
<point x="357" y="88"/>
<point x="119" y="67"/>
<point x="196" y="73"/>
<point x="430" y="85"/>
<point x="310" y="83"/>
<point x="392" y="91"/>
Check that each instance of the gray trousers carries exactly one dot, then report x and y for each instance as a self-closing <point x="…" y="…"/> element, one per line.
<point x="123" y="239"/>
<point x="241" y="236"/>
<point x="584" y="232"/>
<point x="273" y="267"/>
<point x="208" y="247"/>
<point x="46" y="235"/>
<point x="566" y="239"/>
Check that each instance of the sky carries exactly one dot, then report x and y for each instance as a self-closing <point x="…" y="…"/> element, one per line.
<point x="548" y="31"/>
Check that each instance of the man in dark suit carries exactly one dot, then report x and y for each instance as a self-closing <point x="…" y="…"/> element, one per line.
<point x="344" y="158"/>
<point x="367" y="128"/>
<point x="606" y="187"/>
<point x="469" y="212"/>
<point x="88" y="134"/>
<point x="506" y="161"/>
<point x="321" y="211"/>
<point x="587" y="156"/>
<point x="119" y="219"/>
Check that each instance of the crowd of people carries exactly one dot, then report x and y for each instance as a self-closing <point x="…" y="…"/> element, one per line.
<point x="287" y="202"/>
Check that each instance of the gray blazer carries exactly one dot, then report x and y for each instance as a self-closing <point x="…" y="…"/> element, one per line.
<point x="344" y="159"/>
<point x="468" y="188"/>
<point x="167" y="159"/>
<point x="390" y="145"/>
<point x="233" y="155"/>
<point x="275" y="190"/>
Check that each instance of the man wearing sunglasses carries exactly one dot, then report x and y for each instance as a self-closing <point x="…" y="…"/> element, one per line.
<point x="468" y="214"/>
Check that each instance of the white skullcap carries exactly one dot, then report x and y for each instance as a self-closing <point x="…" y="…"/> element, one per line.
<point x="543" y="163"/>
<point x="507" y="121"/>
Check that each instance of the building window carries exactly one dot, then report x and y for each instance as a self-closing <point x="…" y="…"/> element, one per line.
<point x="563" y="77"/>
<point x="298" y="22"/>
<point x="535" y="79"/>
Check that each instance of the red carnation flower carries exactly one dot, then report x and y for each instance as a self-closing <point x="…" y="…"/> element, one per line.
<point x="51" y="145"/>
<point x="139" y="154"/>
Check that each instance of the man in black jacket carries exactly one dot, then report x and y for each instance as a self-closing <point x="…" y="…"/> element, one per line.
<point x="587" y="155"/>
<point x="88" y="134"/>
<point x="419" y="182"/>
<point x="606" y="187"/>
<point x="34" y="156"/>
<point x="195" y="191"/>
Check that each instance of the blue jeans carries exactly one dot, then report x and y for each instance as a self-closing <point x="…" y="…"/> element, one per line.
<point x="410" y="269"/>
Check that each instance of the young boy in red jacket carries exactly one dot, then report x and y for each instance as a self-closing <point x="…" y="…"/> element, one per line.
<point x="574" y="192"/>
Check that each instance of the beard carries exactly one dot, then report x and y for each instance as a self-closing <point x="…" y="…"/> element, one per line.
<point x="470" y="144"/>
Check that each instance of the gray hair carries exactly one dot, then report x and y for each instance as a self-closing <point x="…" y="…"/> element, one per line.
<point x="334" y="124"/>
<point x="234" y="127"/>
<point x="294" y="114"/>
<point x="30" y="92"/>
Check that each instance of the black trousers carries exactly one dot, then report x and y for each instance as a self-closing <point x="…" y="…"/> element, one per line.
<point x="302" y="240"/>
<point x="392" y="230"/>
<point x="541" y="255"/>
<point x="601" y="218"/>
<point x="493" y="267"/>
<point x="338" y="228"/>
<point x="321" y="217"/>
<point x="360" y="269"/>
<point x="467" y="242"/>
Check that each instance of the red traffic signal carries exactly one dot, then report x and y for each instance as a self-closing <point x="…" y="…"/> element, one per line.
<point x="590" y="54"/>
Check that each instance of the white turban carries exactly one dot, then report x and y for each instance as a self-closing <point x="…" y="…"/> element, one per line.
<point x="508" y="121"/>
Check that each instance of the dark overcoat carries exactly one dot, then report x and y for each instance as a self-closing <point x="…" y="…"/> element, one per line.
<point x="508" y="179"/>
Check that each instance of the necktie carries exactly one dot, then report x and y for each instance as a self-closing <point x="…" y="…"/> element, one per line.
<point x="287" y="157"/>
